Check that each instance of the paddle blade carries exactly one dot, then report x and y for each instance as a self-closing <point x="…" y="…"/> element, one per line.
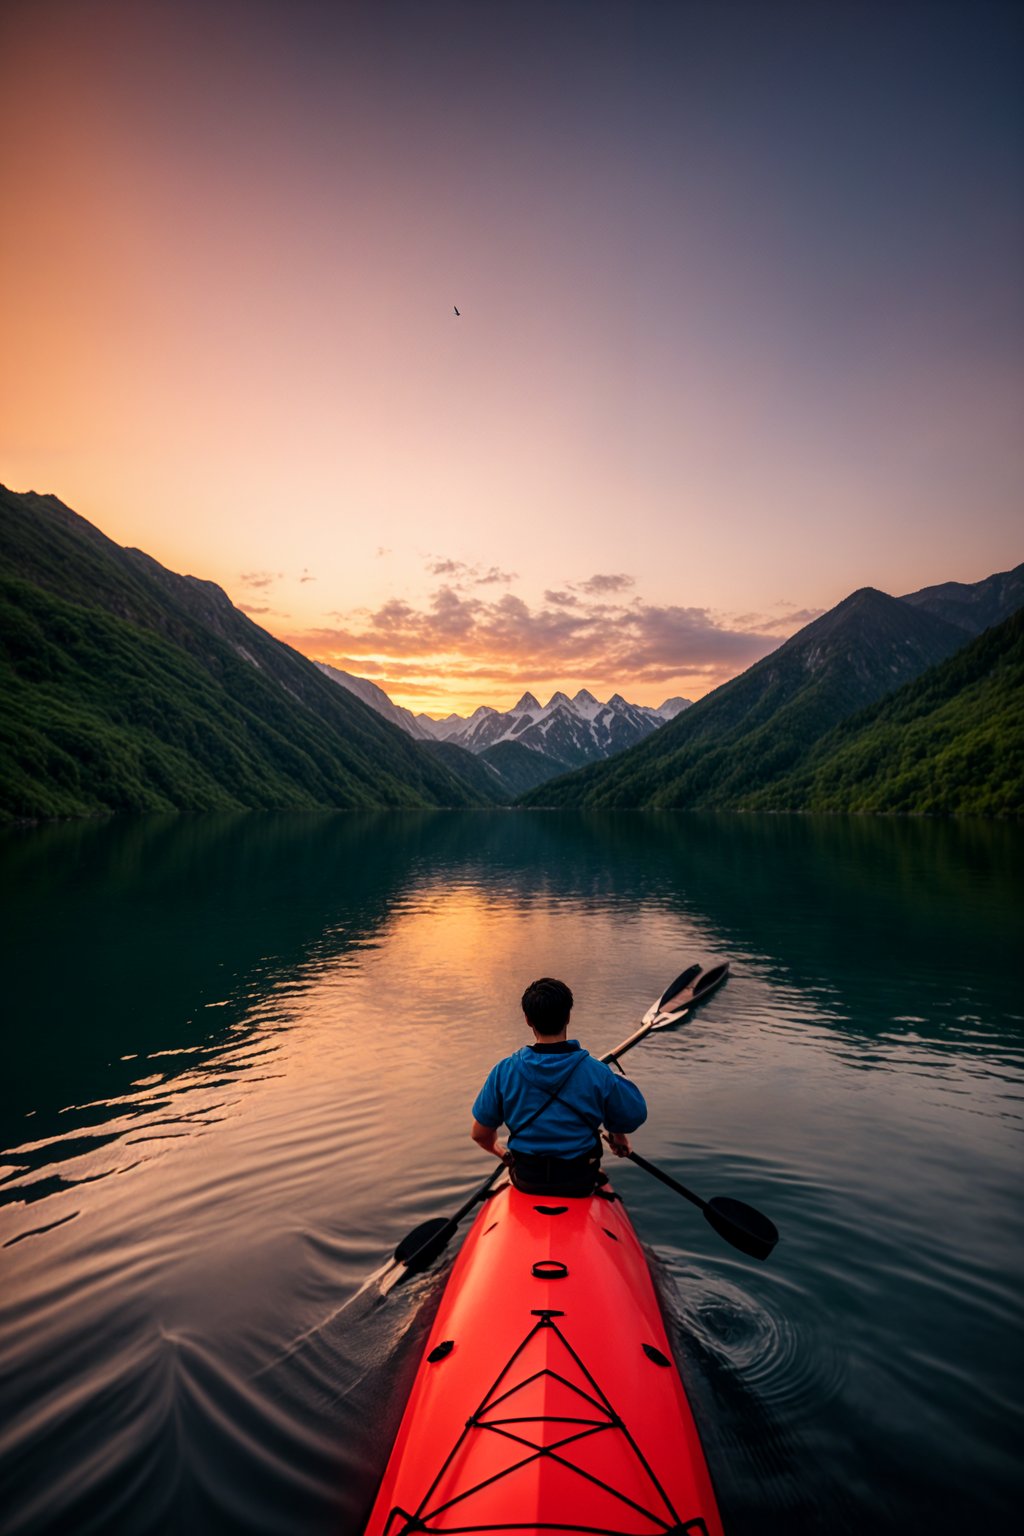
<point x="425" y="1243"/>
<point x="709" y="981"/>
<point x="682" y="983"/>
<point x="742" y="1226"/>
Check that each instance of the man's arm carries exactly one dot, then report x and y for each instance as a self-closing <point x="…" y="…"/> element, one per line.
<point x="486" y="1137"/>
<point x="488" y="1113"/>
<point x="625" y="1109"/>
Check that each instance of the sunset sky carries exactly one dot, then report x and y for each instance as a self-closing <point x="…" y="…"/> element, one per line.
<point x="741" y="328"/>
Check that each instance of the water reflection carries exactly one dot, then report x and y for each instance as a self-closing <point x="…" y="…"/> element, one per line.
<point x="240" y="1056"/>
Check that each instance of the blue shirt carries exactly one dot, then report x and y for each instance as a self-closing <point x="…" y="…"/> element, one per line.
<point x="592" y="1095"/>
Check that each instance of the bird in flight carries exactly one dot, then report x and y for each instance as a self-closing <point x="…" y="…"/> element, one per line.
<point x="456" y="308"/>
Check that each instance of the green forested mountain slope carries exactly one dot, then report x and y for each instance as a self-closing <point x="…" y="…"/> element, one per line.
<point x="521" y="767"/>
<point x="126" y="687"/>
<point x="499" y="773"/>
<point x="949" y="743"/>
<point x="466" y="765"/>
<point x="759" y="725"/>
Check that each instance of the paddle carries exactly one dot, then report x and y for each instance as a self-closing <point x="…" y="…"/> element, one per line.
<point x="738" y="1223"/>
<point x="674" y="1004"/>
<point x="428" y="1241"/>
<point x="746" y="1229"/>
<point x="425" y="1243"/>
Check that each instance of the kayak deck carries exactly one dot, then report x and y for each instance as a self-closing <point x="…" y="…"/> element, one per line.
<point x="547" y="1398"/>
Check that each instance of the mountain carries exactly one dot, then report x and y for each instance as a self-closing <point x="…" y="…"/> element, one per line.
<point x="949" y="743"/>
<point x="482" y="779"/>
<point x="519" y="767"/>
<point x="500" y="773"/>
<point x="672" y="707"/>
<point x="377" y="699"/>
<point x="124" y="686"/>
<point x="571" y="731"/>
<point x="757" y="726"/>
<point x="973" y="607"/>
<point x="485" y="725"/>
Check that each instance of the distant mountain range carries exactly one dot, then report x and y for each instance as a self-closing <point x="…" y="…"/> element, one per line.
<point x="572" y="731"/>
<point x="124" y="687"/>
<point x="564" y="732"/>
<point x="759" y="729"/>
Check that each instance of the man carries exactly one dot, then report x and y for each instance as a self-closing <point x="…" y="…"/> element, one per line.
<point x="554" y="1097"/>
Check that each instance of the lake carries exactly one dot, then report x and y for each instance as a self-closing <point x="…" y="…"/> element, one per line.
<point x="240" y="1055"/>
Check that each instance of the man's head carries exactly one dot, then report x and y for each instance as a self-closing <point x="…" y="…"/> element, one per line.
<point x="547" y="1004"/>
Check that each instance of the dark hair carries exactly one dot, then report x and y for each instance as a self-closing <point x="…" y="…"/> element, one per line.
<point x="547" y="1004"/>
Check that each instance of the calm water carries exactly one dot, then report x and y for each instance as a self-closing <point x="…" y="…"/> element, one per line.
<point x="239" y="1058"/>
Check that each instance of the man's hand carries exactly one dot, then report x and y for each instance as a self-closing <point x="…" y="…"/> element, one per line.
<point x="618" y="1143"/>
<point x="486" y="1136"/>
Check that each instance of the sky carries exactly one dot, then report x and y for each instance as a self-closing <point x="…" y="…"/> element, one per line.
<point x="741" y="317"/>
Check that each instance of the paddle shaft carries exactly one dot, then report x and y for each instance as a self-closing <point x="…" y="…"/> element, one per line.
<point x="666" y="1178"/>
<point x="476" y="1196"/>
<point x="660" y="1021"/>
<point x="627" y="1045"/>
<point x="738" y="1223"/>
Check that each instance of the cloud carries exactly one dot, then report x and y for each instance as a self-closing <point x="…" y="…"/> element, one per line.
<point x="259" y="578"/>
<point x="601" y="584"/>
<point x="464" y="635"/>
<point x="252" y="607"/>
<point x="562" y="599"/>
<point x="795" y="619"/>
<point x="462" y="575"/>
<point x="306" y="576"/>
<point x="784" y="623"/>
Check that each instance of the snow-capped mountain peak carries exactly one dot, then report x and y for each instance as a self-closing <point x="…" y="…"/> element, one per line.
<point x="586" y="706"/>
<point x="571" y="731"/>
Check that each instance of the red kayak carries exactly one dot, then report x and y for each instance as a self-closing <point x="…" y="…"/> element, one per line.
<point x="547" y="1398"/>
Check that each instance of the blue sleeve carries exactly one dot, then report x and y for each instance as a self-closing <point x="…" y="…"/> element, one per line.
<point x="487" y="1106"/>
<point x="625" y="1107"/>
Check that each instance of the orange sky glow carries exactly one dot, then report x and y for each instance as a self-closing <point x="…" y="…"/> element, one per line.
<point x="726" y="351"/>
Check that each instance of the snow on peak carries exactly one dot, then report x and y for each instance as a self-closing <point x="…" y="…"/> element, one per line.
<point x="672" y="707"/>
<point x="527" y="705"/>
<point x="586" y="706"/>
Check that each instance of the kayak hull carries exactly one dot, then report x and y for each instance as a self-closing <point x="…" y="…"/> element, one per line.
<point x="547" y="1398"/>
